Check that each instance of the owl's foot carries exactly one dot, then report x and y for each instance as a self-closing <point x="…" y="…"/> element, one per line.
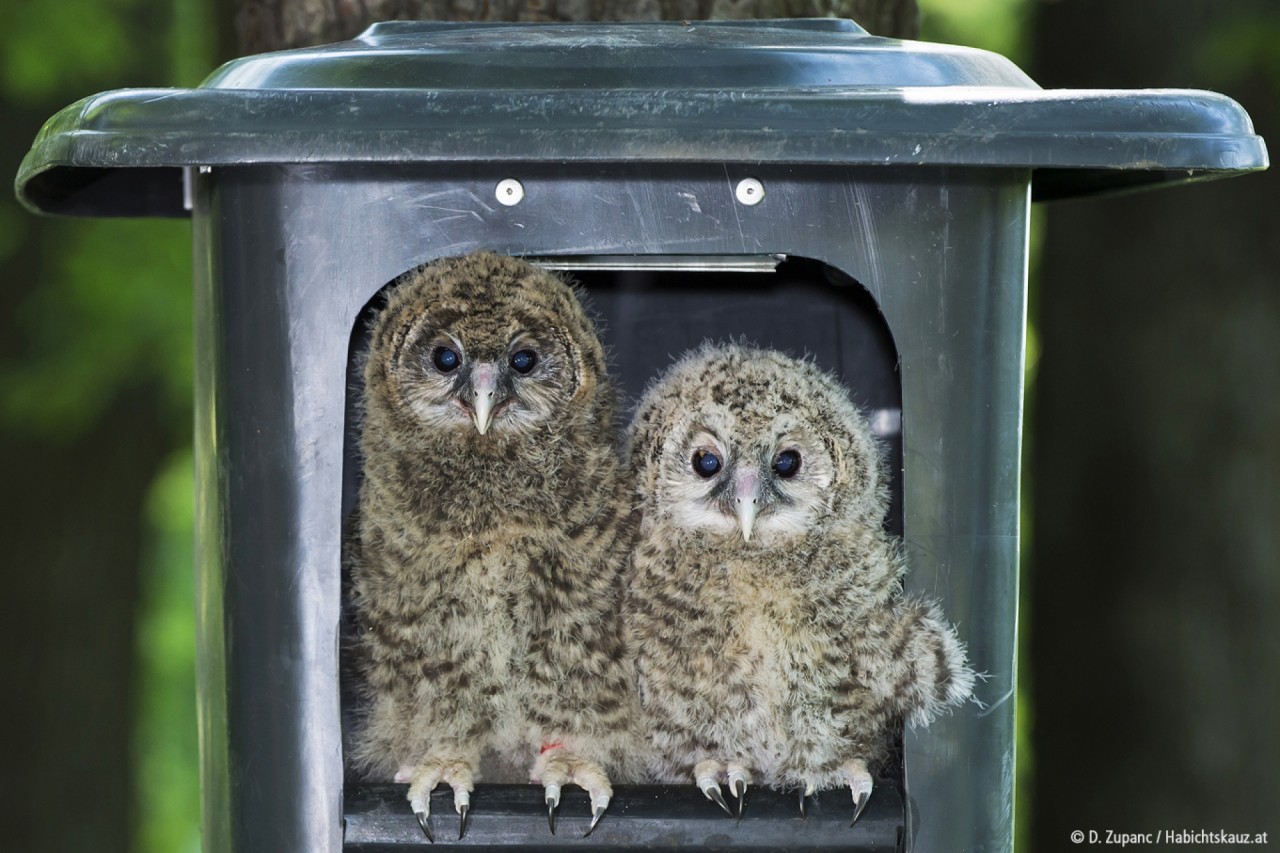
<point x="708" y="773"/>
<point x="558" y="766"/>
<point x="855" y="775"/>
<point x="455" y="771"/>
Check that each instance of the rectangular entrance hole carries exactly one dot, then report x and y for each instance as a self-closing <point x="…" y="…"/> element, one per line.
<point x="650" y="310"/>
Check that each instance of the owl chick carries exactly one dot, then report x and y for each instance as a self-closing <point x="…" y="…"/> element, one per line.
<point x="491" y="533"/>
<point x="774" y="644"/>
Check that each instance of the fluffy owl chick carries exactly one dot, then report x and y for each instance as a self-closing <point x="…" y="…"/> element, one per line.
<point x="492" y="530"/>
<point x="774" y="643"/>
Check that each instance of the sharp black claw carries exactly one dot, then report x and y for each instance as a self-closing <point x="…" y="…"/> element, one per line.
<point x="802" y="802"/>
<point x="425" y="823"/>
<point x="462" y="823"/>
<point x="857" y="809"/>
<point x="595" y="820"/>
<point x="551" y="815"/>
<point x="713" y="793"/>
<point x="740" y="791"/>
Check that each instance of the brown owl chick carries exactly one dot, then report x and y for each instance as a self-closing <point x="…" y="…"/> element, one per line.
<point x="774" y="642"/>
<point x="492" y="530"/>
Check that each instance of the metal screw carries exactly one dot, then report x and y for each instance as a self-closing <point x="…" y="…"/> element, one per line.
<point x="509" y="192"/>
<point x="749" y="191"/>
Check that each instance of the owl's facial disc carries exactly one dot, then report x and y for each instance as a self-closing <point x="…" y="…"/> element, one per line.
<point x="726" y="493"/>
<point x="773" y="484"/>
<point x="512" y="383"/>
<point x="766" y="495"/>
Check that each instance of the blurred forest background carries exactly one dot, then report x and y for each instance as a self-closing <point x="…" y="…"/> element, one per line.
<point x="1151" y="579"/>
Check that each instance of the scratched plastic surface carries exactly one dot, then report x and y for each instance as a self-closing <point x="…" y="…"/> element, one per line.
<point x="908" y="281"/>
<point x="808" y="91"/>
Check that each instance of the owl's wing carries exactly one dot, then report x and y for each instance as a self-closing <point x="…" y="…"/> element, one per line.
<point x="913" y="661"/>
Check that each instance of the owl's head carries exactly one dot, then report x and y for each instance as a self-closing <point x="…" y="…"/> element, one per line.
<point x="485" y="344"/>
<point x="749" y="445"/>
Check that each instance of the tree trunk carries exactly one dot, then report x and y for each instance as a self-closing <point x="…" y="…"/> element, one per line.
<point x="265" y="25"/>
<point x="73" y="512"/>
<point x="72" y="515"/>
<point x="1156" y="464"/>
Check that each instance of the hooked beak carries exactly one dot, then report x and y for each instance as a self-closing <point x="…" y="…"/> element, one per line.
<point x="746" y="503"/>
<point x="484" y="385"/>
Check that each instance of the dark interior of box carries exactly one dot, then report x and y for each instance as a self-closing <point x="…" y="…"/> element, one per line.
<point x="649" y="314"/>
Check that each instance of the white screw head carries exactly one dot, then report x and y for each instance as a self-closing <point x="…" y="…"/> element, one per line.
<point x="509" y="192"/>
<point x="749" y="191"/>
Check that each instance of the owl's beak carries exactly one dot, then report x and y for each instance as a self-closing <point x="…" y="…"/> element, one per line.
<point x="746" y="502"/>
<point x="484" y="386"/>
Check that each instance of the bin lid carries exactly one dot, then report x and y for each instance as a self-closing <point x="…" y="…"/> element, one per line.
<point x="818" y="91"/>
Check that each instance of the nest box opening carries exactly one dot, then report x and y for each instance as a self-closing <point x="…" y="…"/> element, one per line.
<point x="649" y="310"/>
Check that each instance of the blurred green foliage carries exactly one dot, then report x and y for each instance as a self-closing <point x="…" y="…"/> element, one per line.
<point x="111" y="309"/>
<point x="111" y="305"/>
<point x="102" y="307"/>
<point x="1240" y="46"/>
<point x="50" y="48"/>
<point x="1000" y="26"/>
<point x="164" y="744"/>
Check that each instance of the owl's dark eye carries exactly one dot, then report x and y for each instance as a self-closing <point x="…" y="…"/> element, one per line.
<point x="705" y="463"/>
<point x="445" y="359"/>
<point x="524" y="361"/>
<point x="787" y="465"/>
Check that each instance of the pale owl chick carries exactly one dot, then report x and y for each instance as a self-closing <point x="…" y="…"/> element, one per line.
<point x="491" y="536"/>
<point x="774" y="643"/>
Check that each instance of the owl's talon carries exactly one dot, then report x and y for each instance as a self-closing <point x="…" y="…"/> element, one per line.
<point x="462" y="805"/>
<point x="711" y="790"/>
<point x="420" y="802"/>
<point x="857" y="809"/>
<point x="807" y="791"/>
<point x="425" y="823"/>
<point x="860" y="786"/>
<point x="599" y="803"/>
<point x="553" y="801"/>
<point x="738" y="779"/>
<point x="599" y="813"/>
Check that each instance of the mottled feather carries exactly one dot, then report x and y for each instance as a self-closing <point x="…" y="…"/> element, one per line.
<point x="792" y="655"/>
<point x="487" y="570"/>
